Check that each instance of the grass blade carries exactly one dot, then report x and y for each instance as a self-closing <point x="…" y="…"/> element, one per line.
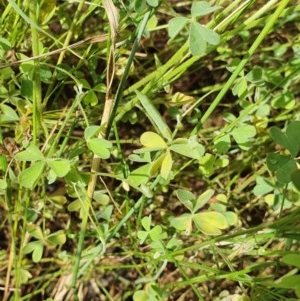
<point x="154" y="116"/>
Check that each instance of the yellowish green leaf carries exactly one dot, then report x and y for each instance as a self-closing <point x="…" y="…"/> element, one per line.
<point x="210" y="223"/>
<point x="156" y="165"/>
<point x="183" y="223"/>
<point x="151" y="139"/>
<point x="166" y="165"/>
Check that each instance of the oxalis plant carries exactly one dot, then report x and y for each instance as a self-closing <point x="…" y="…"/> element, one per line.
<point x="160" y="209"/>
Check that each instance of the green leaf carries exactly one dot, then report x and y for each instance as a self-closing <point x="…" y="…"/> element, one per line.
<point x="74" y="206"/>
<point x="51" y="177"/>
<point x="59" y="166"/>
<point x="26" y="88"/>
<point x="231" y="218"/>
<point x="91" y="132"/>
<point x="142" y="236"/>
<point x="143" y="158"/>
<point x="157" y="233"/>
<point x="100" y="147"/>
<point x="45" y="73"/>
<point x="284" y="173"/>
<point x="3" y="184"/>
<point x="262" y="187"/>
<point x="63" y="71"/>
<point x="210" y="223"/>
<point x="293" y="134"/>
<point x="140" y="175"/>
<point x="90" y="98"/>
<point x="154" y="116"/>
<point x="153" y="3"/>
<point x="8" y="114"/>
<point x="279" y="137"/>
<point x="173" y="243"/>
<point x="188" y="149"/>
<point x="5" y="44"/>
<point x="37" y="252"/>
<point x="57" y="238"/>
<point x="32" y="153"/>
<point x="84" y="83"/>
<point x="146" y="191"/>
<point x="295" y="176"/>
<point x="101" y="198"/>
<point x="183" y="223"/>
<point x="223" y="144"/>
<point x="218" y="207"/>
<point x="146" y="222"/>
<point x="202" y="8"/>
<point x="240" y="87"/>
<point x="255" y="75"/>
<point x="35" y="231"/>
<point x="3" y="90"/>
<point x="290" y="139"/>
<point x="287" y="140"/>
<point x="152" y="140"/>
<point x="196" y="41"/>
<point x="156" y="165"/>
<point x="203" y="199"/>
<point x="275" y="161"/>
<point x="140" y="296"/>
<point x="292" y="259"/>
<point x="166" y="165"/>
<point x="284" y="166"/>
<point x="105" y="213"/>
<point x="207" y="163"/>
<point x="176" y="25"/>
<point x="158" y="246"/>
<point x="187" y="198"/>
<point x="36" y="248"/>
<point x="29" y="247"/>
<point x="284" y="100"/>
<point x="30" y="176"/>
<point x="208" y="34"/>
<point x="289" y="281"/>
<point x="243" y="133"/>
<point x="152" y="23"/>
<point x="139" y="5"/>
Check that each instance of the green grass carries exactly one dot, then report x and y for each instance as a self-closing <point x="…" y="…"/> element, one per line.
<point x="147" y="157"/>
